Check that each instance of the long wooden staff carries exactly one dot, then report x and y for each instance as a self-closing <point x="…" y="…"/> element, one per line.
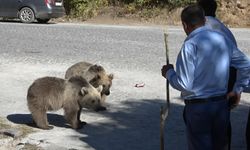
<point x="164" y="109"/>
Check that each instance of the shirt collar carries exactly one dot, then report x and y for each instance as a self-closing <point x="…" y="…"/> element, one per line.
<point x="197" y="30"/>
<point x="211" y="18"/>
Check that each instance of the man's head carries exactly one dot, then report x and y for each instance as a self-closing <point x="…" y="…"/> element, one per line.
<point x="192" y="17"/>
<point x="209" y="7"/>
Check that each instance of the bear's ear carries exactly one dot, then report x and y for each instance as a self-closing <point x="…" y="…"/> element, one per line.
<point x="99" y="89"/>
<point x="111" y="76"/>
<point x="83" y="91"/>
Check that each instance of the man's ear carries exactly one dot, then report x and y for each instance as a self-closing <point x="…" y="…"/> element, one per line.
<point x="185" y="26"/>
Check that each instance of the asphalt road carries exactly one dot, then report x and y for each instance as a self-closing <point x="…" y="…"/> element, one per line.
<point x="133" y="54"/>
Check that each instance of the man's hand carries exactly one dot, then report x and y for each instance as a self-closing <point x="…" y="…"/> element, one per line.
<point x="165" y="68"/>
<point x="234" y="99"/>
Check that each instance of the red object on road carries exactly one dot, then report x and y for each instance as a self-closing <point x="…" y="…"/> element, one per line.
<point x="139" y="85"/>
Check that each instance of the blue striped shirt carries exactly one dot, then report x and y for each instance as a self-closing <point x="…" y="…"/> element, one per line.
<point x="215" y="24"/>
<point x="202" y="66"/>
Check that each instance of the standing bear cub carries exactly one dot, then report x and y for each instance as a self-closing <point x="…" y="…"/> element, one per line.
<point x="52" y="93"/>
<point x="95" y="75"/>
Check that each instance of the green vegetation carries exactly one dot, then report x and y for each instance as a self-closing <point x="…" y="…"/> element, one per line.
<point x="156" y="3"/>
<point x="85" y="9"/>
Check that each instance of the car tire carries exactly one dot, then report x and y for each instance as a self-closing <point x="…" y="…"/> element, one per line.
<point x="42" y="20"/>
<point x="26" y="15"/>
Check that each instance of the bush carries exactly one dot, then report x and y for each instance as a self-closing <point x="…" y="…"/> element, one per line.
<point x="157" y="3"/>
<point x="83" y="9"/>
<point x="178" y="3"/>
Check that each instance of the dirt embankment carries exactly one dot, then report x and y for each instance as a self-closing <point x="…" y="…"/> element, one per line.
<point x="234" y="13"/>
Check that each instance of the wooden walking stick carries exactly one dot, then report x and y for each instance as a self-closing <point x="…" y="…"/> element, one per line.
<point x="164" y="109"/>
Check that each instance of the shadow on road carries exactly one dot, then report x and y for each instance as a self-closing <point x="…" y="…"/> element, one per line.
<point x="137" y="127"/>
<point x="134" y="127"/>
<point x="53" y="119"/>
<point x="18" y="21"/>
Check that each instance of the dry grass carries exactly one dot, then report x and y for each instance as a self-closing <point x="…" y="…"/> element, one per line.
<point x="235" y="14"/>
<point x="25" y="130"/>
<point x="230" y="12"/>
<point x="3" y="125"/>
<point x="8" y="142"/>
<point x="31" y="147"/>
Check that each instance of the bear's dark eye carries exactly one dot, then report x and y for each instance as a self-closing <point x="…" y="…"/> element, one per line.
<point x="93" y="101"/>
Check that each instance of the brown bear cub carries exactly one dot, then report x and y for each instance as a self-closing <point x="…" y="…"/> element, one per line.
<point x="95" y="75"/>
<point x="52" y="93"/>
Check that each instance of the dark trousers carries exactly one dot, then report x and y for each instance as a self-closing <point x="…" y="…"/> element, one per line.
<point x="231" y="81"/>
<point x="207" y="125"/>
<point x="248" y="132"/>
<point x="229" y="134"/>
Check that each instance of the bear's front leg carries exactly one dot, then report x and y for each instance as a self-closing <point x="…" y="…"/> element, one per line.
<point x="73" y="118"/>
<point x="79" y="117"/>
<point x="79" y="114"/>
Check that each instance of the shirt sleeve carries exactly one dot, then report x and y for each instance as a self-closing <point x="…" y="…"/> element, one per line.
<point x="247" y="89"/>
<point x="183" y="78"/>
<point x="242" y="63"/>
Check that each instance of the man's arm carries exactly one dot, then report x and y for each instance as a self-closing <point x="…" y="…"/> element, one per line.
<point x="182" y="80"/>
<point x="241" y="62"/>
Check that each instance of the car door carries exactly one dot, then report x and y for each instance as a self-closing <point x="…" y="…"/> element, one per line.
<point x="9" y="8"/>
<point x="1" y="7"/>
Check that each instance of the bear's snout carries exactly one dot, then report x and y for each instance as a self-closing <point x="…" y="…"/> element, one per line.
<point x="106" y="93"/>
<point x="100" y="108"/>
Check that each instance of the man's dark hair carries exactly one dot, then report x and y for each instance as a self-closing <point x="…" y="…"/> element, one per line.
<point x="193" y="15"/>
<point x="209" y="7"/>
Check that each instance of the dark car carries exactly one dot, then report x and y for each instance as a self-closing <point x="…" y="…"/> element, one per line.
<point x="30" y="10"/>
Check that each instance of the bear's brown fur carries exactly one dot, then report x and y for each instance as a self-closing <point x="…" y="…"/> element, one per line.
<point x="95" y="74"/>
<point x="52" y="93"/>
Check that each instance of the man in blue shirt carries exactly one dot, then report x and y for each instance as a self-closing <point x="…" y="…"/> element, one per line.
<point x="210" y="7"/>
<point x="212" y="22"/>
<point x="247" y="90"/>
<point x="202" y="70"/>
